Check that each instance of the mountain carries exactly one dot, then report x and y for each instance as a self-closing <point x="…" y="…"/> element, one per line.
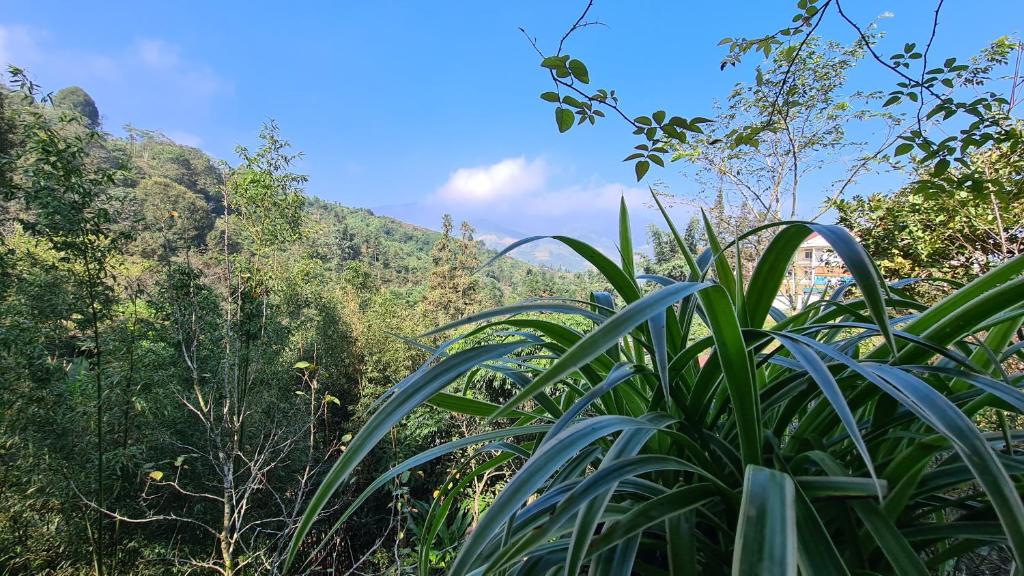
<point x="496" y="236"/>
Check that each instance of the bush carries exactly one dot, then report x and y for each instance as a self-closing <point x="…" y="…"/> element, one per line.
<point x="840" y="440"/>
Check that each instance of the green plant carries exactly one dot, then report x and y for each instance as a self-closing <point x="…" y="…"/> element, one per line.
<point x="838" y="441"/>
<point x="437" y="534"/>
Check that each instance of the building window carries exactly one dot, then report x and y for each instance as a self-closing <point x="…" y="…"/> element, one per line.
<point x="808" y="254"/>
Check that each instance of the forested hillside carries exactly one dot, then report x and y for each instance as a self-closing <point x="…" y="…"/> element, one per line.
<point x="186" y="343"/>
<point x="207" y="371"/>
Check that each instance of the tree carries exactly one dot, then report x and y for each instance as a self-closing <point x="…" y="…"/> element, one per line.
<point x="77" y="100"/>
<point x="790" y="124"/>
<point x="265" y="199"/>
<point x="693" y="237"/>
<point x="954" y="220"/>
<point x="952" y="113"/>
<point x="932" y="230"/>
<point x="243" y="333"/>
<point x="257" y="443"/>
<point x="68" y="200"/>
<point x="667" y="259"/>
<point x="153" y="155"/>
<point x="468" y="262"/>
<point x="442" y="302"/>
<point x="173" y="218"/>
<point x="452" y="288"/>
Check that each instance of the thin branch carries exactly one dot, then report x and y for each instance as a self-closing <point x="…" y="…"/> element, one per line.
<point x="532" y="41"/>
<point x="924" y="62"/>
<point x="792" y="63"/>
<point x="145" y="520"/>
<point x="591" y="99"/>
<point x="577" y="25"/>
<point x="875" y="55"/>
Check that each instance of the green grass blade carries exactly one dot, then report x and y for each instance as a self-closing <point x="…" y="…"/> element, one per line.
<point x="819" y="372"/>
<point x="626" y="239"/>
<point x="623" y="283"/>
<point x="601" y="338"/>
<point x="723" y="272"/>
<point x="516" y="309"/>
<point x="530" y="477"/>
<point x="652" y="512"/>
<point x="691" y="262"/>
<point x="816" y="552"/>
<point x="429" y="383"/>
<point x="766" y="540"/>
<point x="736" y="369"/>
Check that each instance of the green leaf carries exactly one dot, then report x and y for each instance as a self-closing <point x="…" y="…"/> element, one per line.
<point x="736" y="369"/>
<point x="598" y="340"/>
<point x="579" y="71"/>
<point x="549" y="96"/>
<point x="625" y="239"/>
<point x="904" y="148"/>
<point x="302" y="365"/>
<point x="553" y="62"/>
<point x="156" y="475"/>
<point x="641" y="169"/>
<point x="766" y="540"/>
<point x="544" y="462"/>
<point x="820" y="373"/>
<point x="425" y="385"/>
<point x="651" y="512"/>
<point x="816" y="552"/>
<point x="564" y="118"/>
<point x="623" y="283"/>
<point x="691" y="262"/>
<point x="723" y="270"/>
<point x="403" y="468"/>
<point x="470" y="406"/>
<point x="940" y="168"/>
<point x="570" y="101"/>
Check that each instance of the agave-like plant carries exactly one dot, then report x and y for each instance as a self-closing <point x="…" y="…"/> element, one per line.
<point x="841" y="439"/>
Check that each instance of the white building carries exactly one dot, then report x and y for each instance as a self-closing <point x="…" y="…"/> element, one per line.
<point x="815" y="270"/>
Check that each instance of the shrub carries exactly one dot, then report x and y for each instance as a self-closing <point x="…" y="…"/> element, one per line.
<point x="840" y="440"/>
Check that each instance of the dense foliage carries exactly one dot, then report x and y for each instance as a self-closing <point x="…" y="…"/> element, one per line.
<point x="841" y="439"/>
<point x="936" y="229"/>
<point x="186" y="344"/>
<point x="207" y="371"/>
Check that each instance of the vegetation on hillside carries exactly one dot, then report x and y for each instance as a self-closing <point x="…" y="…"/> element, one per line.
<point x="208" y="371"/>
<point x="188" y="343"/>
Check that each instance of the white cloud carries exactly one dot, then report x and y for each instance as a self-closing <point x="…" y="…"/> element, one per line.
<point x="148" y="82"/>
<point x="163" y="59"/>
<point x="518" y="197"/>
<point x="31" y="48"/>
<point x="157" y="53"/>
<point x="523" y="187"/>
<point x="16" y="44"/>
<point x="509" y="178"/>
<point x="584" y="198"/>
<point x="521" y="193"/>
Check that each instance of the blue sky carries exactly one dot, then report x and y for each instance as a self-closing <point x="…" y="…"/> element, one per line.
<point x="420" y="106"/>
